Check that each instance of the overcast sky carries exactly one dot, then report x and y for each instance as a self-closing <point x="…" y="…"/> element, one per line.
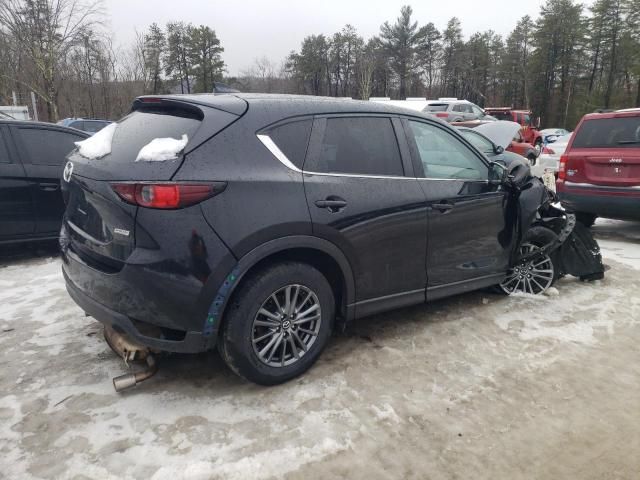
<point x="249" y="29"/>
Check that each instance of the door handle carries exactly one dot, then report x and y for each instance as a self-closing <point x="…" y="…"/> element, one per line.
<point x="443" y="207"/>
<point x="332" y="203"/>
<point x="49" y="187"/>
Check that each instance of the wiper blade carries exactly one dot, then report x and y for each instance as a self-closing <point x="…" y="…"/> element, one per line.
<point x="628" y="142"/>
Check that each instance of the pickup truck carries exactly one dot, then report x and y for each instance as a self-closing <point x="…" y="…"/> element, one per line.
<point x="529" y="128"/>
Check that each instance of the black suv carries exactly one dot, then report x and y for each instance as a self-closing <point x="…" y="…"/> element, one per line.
<point x="276" y="216"/>
<point x="32" y="156"/>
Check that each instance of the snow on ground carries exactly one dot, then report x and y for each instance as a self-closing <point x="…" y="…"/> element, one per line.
<point x="476" y="386"/>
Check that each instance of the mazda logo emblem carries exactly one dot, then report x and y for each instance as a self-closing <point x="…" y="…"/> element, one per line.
<point x="68" y="171"/>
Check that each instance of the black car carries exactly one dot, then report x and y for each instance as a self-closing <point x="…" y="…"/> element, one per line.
<point x="278" y="216"/>
<point x="89" y="125"/>
<point x="32" y="156"/>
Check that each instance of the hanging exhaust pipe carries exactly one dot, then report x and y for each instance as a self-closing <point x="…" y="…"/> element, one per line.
<point x="130" y="351"/>
<point x="129" y="380"/>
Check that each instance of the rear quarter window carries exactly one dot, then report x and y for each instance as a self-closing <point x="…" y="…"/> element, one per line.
<point x="621" y="132"/>
<point x="292" y="139"/>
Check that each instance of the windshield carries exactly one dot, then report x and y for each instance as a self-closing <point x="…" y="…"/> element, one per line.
<point x="620" y="132"/>
<point x="481" y="143"/>
<point x="436" y="107"/>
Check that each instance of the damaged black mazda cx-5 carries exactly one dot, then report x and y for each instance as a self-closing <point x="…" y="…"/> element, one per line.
<point x="257" y="223"/>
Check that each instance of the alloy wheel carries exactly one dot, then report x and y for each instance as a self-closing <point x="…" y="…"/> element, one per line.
<point x="533" y="277"/>
<point x="286" y="325"/>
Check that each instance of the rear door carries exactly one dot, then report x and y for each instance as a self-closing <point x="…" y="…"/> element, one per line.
<point x="363" y="197"/>
<point x="470" y="237"/>
<point x="606" y="152"/>
<point x="43" y="152"/>
<point x="17" y="216"/>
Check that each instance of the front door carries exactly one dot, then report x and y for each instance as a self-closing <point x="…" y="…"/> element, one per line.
<point x="361" y="200"/>
<point x="469" y="239"/>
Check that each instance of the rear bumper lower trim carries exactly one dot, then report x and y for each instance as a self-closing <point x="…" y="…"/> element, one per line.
<point x="193" y="342"/>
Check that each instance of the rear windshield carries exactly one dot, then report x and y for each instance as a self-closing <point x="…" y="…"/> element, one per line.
<point x="618" y="132"/>
<point x="436" y="107"/>
<point x="501" y="115"/>
<point x="142" y="126"/>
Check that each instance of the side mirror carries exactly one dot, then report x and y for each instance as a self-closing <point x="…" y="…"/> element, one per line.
<point x="498" y="173"/>
<point x="498" y="149"/>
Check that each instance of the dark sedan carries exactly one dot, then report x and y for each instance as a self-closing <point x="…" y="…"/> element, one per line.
<point x="32" y="156"/>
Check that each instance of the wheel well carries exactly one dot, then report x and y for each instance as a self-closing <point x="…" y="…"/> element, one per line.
<point x="322" y="261"/>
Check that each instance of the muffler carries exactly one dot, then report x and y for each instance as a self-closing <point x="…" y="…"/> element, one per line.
<point x="130" y="351"/>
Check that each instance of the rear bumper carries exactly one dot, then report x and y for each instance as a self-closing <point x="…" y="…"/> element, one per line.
<point x="193" y="342"/>
<point x="161" y="296"/>
<point x="611" y="202"/>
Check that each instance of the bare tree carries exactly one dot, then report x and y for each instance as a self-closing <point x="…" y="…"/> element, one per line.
<point x="45" y="30"/>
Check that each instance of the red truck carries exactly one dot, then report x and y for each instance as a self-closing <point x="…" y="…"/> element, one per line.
<point x="529" y="130"/>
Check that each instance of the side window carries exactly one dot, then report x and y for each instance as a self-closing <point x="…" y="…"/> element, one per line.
<point x="477" y="110"/>
<point x="478" y="141"/>
<point x="457" y="108"/>
<point x="4" y="154"/>
<point x="360" y="145"/>
<point x="292" y="139"/>
<point x="444" y="156"/>
<point x="468" y="109"/>
<point x="47" y="147"/>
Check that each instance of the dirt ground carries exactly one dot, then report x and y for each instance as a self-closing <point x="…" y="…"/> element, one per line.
<point x="477" y="386"/>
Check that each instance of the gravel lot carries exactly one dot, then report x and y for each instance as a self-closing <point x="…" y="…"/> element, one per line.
<point x="476" y="386"/>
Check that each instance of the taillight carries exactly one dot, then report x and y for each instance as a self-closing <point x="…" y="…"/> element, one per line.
<point x="166" y="195"/>
<point x="562" y="167"/>
<point x="442" y="114"/>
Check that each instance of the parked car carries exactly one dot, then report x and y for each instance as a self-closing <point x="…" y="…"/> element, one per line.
<point x="454" y="110"/>
<point x="508" y="136"/>
<point x="599" y="173"/>
<point x="32" y="156"/>
<point x="529" y="126"/>
<point x="91" y="126"/>
<point x="550" y="135"/>
<point x="167" y="240"/>
<point x="549" y="159"/>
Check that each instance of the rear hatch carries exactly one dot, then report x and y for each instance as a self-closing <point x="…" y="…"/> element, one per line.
<point x="99" y="224"/>
<point x="606" y="151"/>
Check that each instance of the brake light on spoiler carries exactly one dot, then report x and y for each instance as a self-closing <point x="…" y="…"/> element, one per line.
<point x="166" y="195"/>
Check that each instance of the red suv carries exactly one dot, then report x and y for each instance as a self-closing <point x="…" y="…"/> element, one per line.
<point x="599" y="173"/>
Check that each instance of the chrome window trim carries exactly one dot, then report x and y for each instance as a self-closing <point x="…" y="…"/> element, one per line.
<point x="282" y="158"/>
<point x="276" y="152"/>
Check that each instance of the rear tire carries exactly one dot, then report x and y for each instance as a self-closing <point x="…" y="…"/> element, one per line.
<point x="271" y="333"/>
<point x="586" y="219"/>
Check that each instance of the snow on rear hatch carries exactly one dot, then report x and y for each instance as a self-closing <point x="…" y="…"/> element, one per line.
<point x="162" y="149"/>
<point x="99" y="145"/>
